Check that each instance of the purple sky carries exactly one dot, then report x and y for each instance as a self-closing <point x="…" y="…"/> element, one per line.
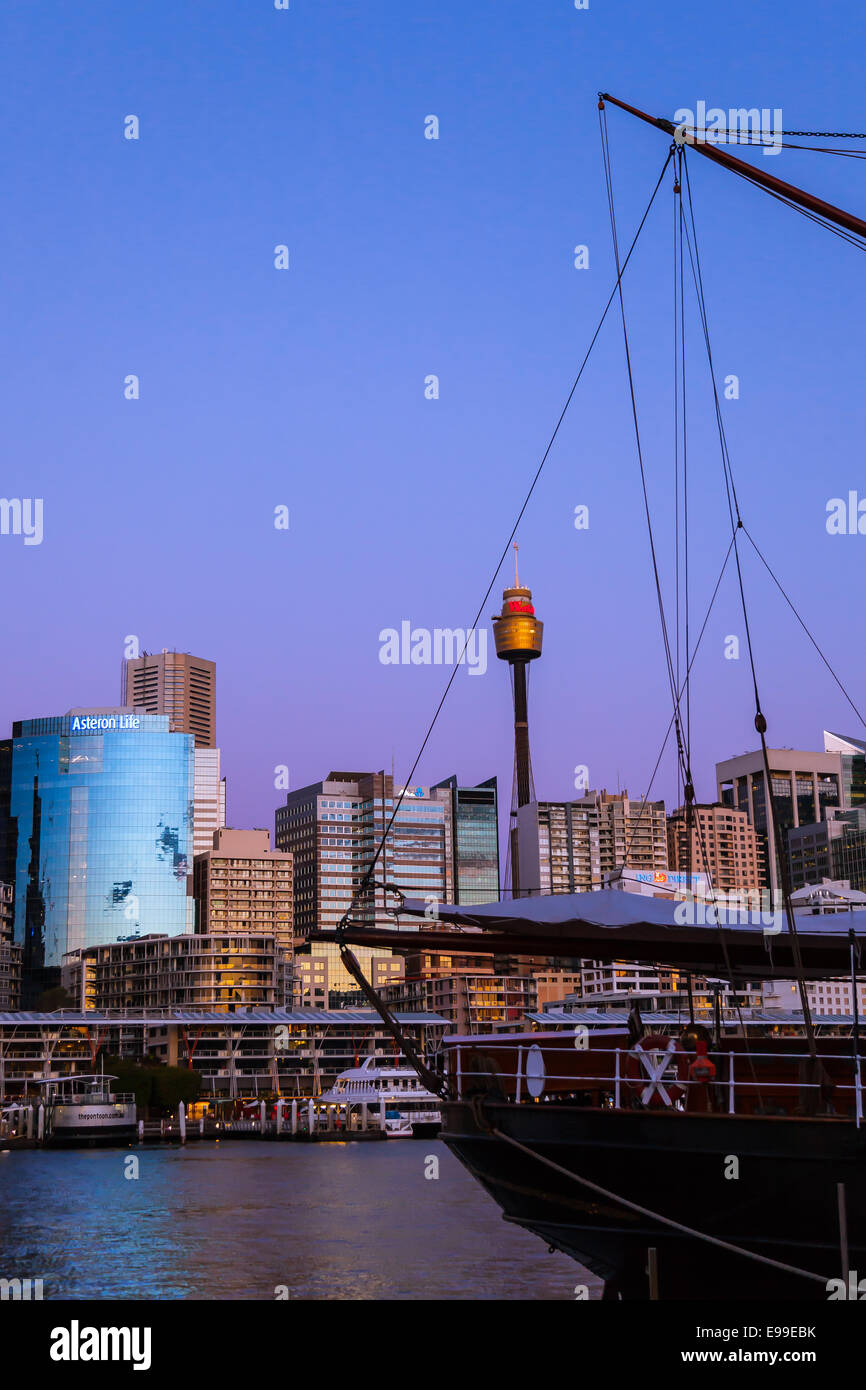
<point x="305" y="387"/>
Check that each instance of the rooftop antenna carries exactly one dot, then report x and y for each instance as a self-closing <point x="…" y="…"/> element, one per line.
<point x="516" y="580"/>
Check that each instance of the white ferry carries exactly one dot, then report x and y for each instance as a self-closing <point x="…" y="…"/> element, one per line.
<point x="411" y="1111"/>
<point x="83" y="1109"/>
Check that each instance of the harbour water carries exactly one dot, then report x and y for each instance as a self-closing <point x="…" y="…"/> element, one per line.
<point x="243" y="1220"/>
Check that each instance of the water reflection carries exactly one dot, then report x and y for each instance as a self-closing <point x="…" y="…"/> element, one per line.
<point x="347" y="1221"/>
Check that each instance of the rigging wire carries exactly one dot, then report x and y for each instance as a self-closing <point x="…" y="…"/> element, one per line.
<point x="656" y="576"/>
<point x="850" y="237"/>
<point x="760" y="719"/>
<point x="800" y="620"/>
<point x="687" y="674"/>
<point x="362" y="887"/>
<point x="684" y="772"/>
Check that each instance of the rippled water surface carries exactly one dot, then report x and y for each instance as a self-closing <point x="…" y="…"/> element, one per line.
<point x="351" y="1221"/>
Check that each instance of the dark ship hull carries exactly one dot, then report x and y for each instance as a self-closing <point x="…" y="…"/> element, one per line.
<point x="784" y="1204"/>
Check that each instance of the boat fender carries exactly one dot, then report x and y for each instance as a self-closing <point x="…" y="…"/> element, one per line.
<point x="703" y="1068"/>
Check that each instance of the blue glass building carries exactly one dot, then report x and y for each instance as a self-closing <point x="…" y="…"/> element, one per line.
<point x="97" y="823"/>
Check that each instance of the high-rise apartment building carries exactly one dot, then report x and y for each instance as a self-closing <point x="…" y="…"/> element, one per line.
<point x="805" y="784"/>
<point x="720" y="843"/>
<point x="95" y="832"/>
<point x="473" y="1004"/>
<point x="574" y="846"/>
<point x="219" y="972"/>
<point x="241" y="884"/>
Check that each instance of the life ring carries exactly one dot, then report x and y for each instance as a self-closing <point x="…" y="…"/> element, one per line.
<point x="657" y="1070"/>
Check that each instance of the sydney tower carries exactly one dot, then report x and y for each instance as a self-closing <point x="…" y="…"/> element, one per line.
<point x="517" y="633"/>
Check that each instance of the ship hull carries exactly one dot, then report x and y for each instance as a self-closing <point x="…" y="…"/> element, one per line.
<point x="768" y="1184"/>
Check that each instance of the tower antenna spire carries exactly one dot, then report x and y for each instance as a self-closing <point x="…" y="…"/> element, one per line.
<point x="516" y="580"/>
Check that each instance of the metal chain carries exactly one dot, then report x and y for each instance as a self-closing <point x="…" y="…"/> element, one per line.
<point x="813" y="134"/>
<point x="828" y="134"/>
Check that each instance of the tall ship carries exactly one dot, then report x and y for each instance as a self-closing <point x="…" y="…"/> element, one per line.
<point x="690" y="1159"/>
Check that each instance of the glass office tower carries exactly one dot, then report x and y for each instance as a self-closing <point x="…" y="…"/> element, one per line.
<point x="475" y="826"/>
<point x="97" y="822"/>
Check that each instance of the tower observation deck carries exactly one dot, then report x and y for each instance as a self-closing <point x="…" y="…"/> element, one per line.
<point x="518" y="634"/>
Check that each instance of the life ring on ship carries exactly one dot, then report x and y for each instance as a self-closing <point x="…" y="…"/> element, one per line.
<point x="648" y="1071"/>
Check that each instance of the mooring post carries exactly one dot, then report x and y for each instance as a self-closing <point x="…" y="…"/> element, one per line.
<point x="843" y="1230"/>
<point x="653" y="1272"/>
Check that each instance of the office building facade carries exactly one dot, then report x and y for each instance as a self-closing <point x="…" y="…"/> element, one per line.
<point x="183" y="687"/>
<point x="11" y="954"/>
<point x="96" y="832"/>
<point x="852" y="751"/>
<point x="441" y="835"/>
<point x="832" y="849"/>
<point x="178" y="685"/>
<point x="805" y="785"/>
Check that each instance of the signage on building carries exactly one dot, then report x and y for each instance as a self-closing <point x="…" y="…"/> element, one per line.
<point x="98" y="723"/>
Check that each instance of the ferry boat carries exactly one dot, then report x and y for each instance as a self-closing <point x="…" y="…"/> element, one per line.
<point x="411" y="1111"/>
<point x="83" y="1109"/>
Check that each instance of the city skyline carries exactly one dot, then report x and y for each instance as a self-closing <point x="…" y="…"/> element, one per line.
<point x="304" y="388"/>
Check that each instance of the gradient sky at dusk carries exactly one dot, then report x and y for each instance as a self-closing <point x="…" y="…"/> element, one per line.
<point x="306" y="388"/>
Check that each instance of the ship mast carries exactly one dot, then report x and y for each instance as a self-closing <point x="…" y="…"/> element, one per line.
<point x="803" y="199"/>
<point x="816" y="208"/>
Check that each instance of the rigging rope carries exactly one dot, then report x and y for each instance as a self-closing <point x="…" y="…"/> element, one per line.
<point x="359" y="892"/>
<point x="800" y="620"/>
<point x="656" y="1216"/>
<point x="658" y="588"/>
<point x="777" y="850"/>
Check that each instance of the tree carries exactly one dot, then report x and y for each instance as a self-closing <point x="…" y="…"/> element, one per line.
<point x="58" y="997"/>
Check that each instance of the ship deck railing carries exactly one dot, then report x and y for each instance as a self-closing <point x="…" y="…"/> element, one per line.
<point x="738" y="1087"/>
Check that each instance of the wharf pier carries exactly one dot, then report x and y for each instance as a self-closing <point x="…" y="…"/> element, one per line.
<point x="168" y="1132"/>
<point x="300" y="1122"/>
